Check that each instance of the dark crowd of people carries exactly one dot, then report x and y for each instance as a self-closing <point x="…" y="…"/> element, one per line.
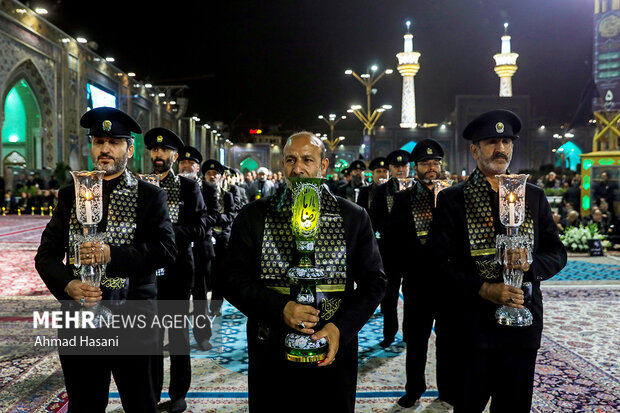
<point x="209" y="234"/>
<point x="31" y="193"/>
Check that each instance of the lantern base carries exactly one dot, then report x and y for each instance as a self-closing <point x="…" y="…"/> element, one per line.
<point x="514" y="317"/>
<point x="300" y="348"/>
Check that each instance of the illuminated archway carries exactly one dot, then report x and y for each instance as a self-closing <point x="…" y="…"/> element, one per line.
<point x="567" y="156"/>
<point x="21" y="130"/>
<point x="248" y="165"/>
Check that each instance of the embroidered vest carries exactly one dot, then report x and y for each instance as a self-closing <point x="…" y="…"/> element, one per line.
<point x="120" y="230"/>
<point x="422" y="206"/>
<point x="392" y="187"/>
<point x="172" y="185"/>
<point x="279" y="251"/>
<point x="480" y="226"/>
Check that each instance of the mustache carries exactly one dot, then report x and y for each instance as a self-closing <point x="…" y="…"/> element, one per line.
<point x="105" y="155"/>
<point x="499" y="155"/>
<point x="159" y="159"/>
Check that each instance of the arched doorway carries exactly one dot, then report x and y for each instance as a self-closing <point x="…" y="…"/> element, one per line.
<point x="567" y="156"/>
<point x="21" y="129"/>
<point x="248" y="165"/>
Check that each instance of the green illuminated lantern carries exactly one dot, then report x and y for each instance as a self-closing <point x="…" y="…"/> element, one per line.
<point x="301" y="348"/>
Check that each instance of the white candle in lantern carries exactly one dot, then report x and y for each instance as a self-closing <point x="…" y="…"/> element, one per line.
<point x="88" y="207"/>
<point x="511" y="209"/>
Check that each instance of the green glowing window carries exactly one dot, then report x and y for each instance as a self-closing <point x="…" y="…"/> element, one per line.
<point x="585" y="202"/>
<point x="586" y="182"/>
<point x="587" y="164"/>
<point x="606" y="161"/>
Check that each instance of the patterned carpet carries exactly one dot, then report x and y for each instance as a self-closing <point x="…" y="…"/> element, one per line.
<point x="577" y="367"/>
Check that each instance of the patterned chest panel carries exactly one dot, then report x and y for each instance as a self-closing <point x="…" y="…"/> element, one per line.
<point x="172" y="185"/>
<point x="422" y="202"/>
<point x="120" y="227"/>
<point x="278" y="249"/>
<point x="481" y="229"/>
<point x="390" y="190"/>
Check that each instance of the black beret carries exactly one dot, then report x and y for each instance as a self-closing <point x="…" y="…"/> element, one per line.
<point x="191" y="153"/>
<point x="163" y="137"/>
<point x="379" y="162"/>
<point x="398" y="157"/>
<point x="357" y="165"/>
<point x="110" y="122"/>
<point x="346" y="171"/>
<point x="426" y="149"/>
<point x="492" y="124"/>
<point x="212" y="164"/>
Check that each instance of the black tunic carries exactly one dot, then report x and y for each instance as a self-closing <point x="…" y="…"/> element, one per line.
<point x="449" y="239"/>
<point x="264" y="306"/>
<point x="153" y="247"/>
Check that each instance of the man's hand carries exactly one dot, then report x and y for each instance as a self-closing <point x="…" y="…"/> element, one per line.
<point x="332" y="335"/>
<point x="85" y="294"/>
<point x="517" y="259"/>
<point x="500" y="293"/>
<point x="300" y="317"/>
<point x="94" y="253"/>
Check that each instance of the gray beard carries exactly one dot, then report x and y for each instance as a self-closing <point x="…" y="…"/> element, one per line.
<point x="119" y="165"/>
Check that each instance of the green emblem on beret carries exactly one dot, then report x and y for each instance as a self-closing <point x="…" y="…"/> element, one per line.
<point x="429" y="151"/>
<point x="212" y="166"/>
<point x="160" y="138"/>
<point x="499" y="127"/>
<point x="382" y="163"/>
<point x="187" y="154"/>
<point x="107" y="125"/>
<point x="399" y="158"/>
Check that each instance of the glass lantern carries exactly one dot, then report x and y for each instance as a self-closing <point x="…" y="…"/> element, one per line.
<point x="512" y="215"/>
<point x="301" y="348"/>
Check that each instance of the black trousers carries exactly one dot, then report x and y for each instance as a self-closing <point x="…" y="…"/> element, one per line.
<point x="389" y="304"/>
<point x="417" y="327"/>
<point x="202" y="285"/>
<point x="173" y="299"/>
<point x="217" y="272"/>
<point x="274" y="384"/>
<point x="504" y="375"/>
<point x="87" y="379"/>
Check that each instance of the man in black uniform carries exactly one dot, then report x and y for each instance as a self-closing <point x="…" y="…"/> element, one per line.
<point x="349" y="255"/>
<point x="188" y="213"/>
<point x="492" y="360"/>
<point x="409" y="222"/>
<point x="239" y="194"/>
<point x="139" y="240"/>
<point x="351" y="190"/>
<point x="213" y="171"/>
<point x="190" y="160"/>
<point x="398" y="163"/>
<point x="380" y="175"/>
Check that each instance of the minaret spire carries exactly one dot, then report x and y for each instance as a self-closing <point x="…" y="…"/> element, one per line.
<point x="408" y="66"/>
<point x="505" y="65"/>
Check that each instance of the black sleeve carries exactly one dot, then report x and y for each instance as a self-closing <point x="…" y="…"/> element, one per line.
<point x="228" y="215"/>
<point x="154" y="247"/>
<point x="194" y="227"/>
<point x="209" y="195"/>
<point x="53" y="249"/>
<point x="401" y="234"/>
<point x="242" y="284"/>
<point x="367" y="271"/>
<point x="550" y="256"/>
<point x="443" y="241"/>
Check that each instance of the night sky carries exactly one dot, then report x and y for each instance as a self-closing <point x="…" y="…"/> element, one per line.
<point x="283" y="62"/>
